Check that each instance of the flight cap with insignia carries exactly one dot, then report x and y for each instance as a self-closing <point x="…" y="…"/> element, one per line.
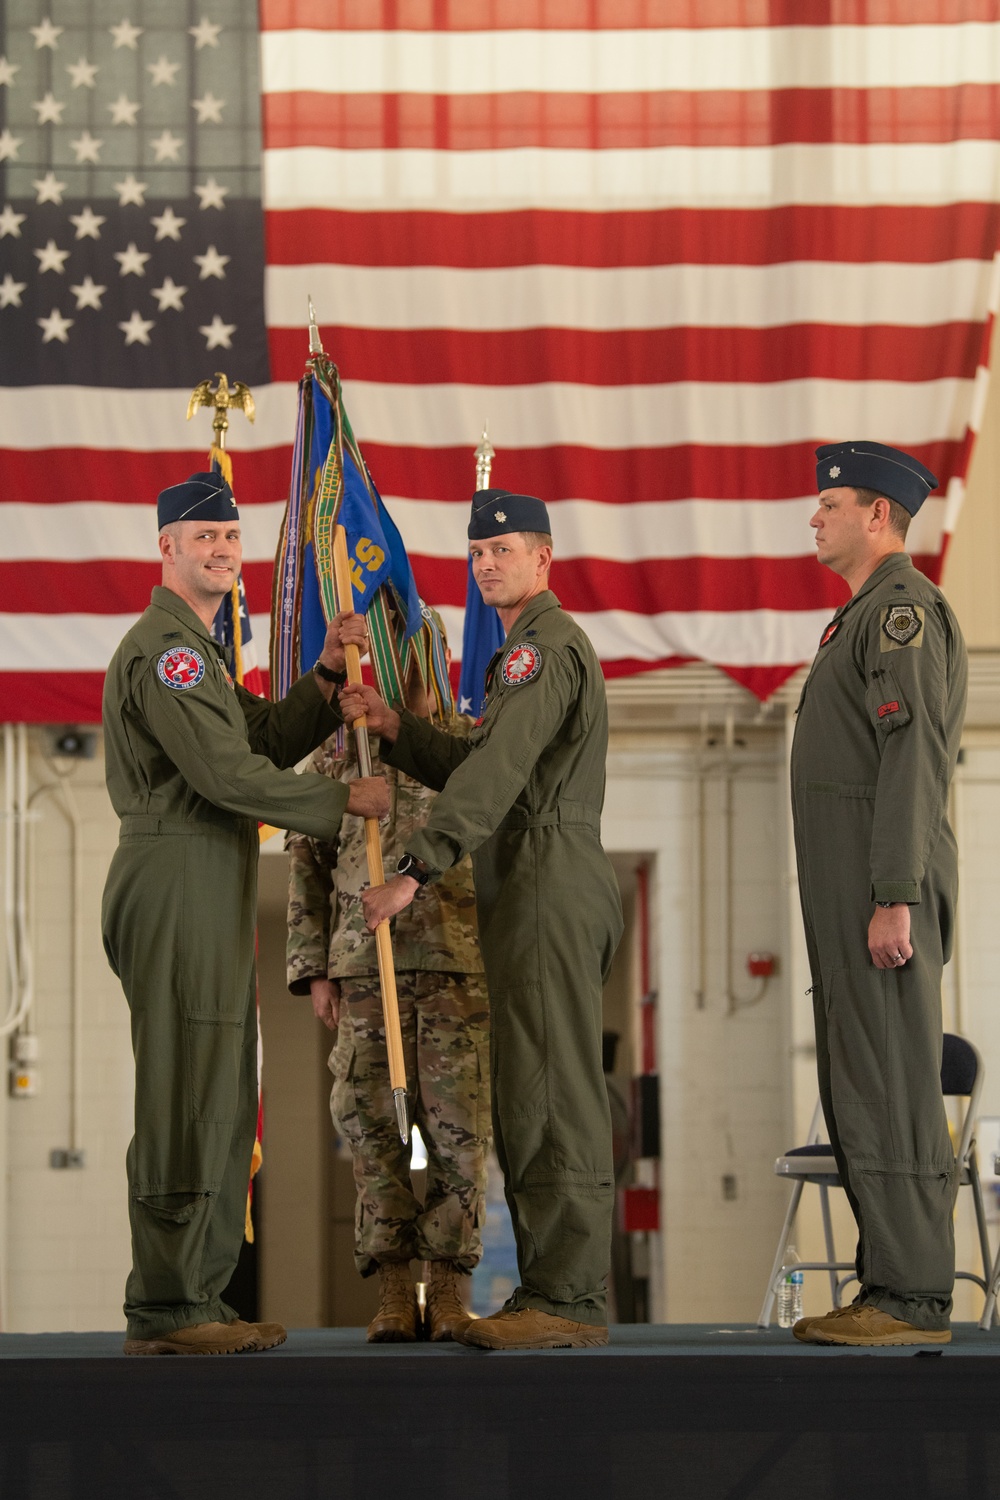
<point x="203" y="497"/>
<point x="875" y="466"/>
<point x="497" y="512"/>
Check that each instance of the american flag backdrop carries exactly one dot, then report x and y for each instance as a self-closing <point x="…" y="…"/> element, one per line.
<point x="662" y="247"/>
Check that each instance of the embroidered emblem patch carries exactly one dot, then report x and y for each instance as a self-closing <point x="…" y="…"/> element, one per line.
<point x="835" y="472"/>
<point x="830" y="632"/>
<point x="903" y="623"/>
<point x="521" y="664"/>
<point x="888" y="708"/>
<point x="183" y="667"/>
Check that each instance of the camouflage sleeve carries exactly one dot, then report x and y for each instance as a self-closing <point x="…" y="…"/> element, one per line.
<point x="310" y="902"/>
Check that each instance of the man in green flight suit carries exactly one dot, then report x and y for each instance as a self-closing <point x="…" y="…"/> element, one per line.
<point x="875" y="748"/>
<point x="193" y="763"/>
<point x="524" y="795"/>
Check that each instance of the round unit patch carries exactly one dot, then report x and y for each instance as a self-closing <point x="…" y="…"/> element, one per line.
<point x="521" y="664"/>
<point x="183" y="667"/>
<point x="902" y="623"/>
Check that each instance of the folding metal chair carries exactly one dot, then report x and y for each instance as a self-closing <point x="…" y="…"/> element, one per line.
<point x="961" y="1077"/>
<point x="990" y="1310"/>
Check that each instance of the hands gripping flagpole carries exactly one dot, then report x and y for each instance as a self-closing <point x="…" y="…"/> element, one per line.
<point x="373" y="848"/>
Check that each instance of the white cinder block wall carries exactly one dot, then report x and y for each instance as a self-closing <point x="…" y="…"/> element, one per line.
<point x="65" y="1253"/>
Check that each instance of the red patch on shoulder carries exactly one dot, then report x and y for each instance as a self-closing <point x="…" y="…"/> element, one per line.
<point x="830" y="632"/>
<point x="888" y="708"/>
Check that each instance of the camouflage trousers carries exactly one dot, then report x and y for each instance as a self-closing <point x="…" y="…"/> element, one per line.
<point x="445" y="1025"/>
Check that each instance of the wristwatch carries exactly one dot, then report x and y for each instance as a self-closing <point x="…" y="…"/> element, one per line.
<point x="337" y="678"/>
<point x="408" y="864"/>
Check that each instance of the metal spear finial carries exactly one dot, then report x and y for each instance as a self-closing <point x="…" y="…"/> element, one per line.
<point x="485" y="454"/>
<point x="315" y="342"/>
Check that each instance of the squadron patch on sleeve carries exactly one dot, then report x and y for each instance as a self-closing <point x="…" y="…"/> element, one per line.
<point x="183" y="667"/>
<point x="521" y="664"/>
<point x="902" y="625"/>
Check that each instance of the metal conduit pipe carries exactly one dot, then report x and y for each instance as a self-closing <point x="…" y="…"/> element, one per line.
<point x="72" y="814"/>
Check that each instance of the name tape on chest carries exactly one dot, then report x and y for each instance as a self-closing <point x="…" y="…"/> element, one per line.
<point x="901" y="625"/>
<point x="181" y="668"/>
<point x="521" y="664"/>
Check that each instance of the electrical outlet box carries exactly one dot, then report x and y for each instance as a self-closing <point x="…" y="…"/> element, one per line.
<point x="60" y="1160"/>
<point x="24" y="1081"/>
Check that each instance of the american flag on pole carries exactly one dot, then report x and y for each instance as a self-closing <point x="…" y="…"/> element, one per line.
<point x="662" y="247"/>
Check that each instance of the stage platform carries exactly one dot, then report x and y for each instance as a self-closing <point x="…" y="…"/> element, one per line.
<point x="665" y="1410"/>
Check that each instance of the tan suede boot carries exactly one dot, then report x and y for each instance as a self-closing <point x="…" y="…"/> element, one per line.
<point x="446" y="1311"/>
<point x="201" y="1338"/>
<point x="398" y="1318"/>
<point x="530" y="1328"/>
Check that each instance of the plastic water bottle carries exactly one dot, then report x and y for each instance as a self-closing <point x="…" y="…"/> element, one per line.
<point x="790" y="1291"/>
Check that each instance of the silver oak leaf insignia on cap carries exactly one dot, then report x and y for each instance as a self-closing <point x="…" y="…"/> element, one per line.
<point x="501" y="515"/>
<point x="835" y="471"/>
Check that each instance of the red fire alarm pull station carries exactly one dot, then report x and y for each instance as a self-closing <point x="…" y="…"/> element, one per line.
<point x="760" y="965"/>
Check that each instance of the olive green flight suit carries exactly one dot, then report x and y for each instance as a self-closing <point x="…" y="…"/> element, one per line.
<point x="190" y="771"/>
<point x="524" y="795"/>
<point x="876" y="743"/>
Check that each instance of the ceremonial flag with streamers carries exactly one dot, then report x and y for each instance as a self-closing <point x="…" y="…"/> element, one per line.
<point x="482" y="636"/>
<point x="331" y="487"/>
<point x="663" y="247"/>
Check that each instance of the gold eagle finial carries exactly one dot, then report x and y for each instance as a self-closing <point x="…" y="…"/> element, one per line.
<point x="223" y="398"/>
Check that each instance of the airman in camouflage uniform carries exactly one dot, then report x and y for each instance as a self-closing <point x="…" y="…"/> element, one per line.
<point x="444" y="1017"/>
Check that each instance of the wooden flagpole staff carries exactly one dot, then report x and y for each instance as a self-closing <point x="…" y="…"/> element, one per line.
<point x="373" y="847"/>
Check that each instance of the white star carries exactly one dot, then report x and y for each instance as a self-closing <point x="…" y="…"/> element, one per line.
<point x="131" y="191"/>
<point x="132" y="261"/>
<point x="465" y="705"/>
<point x="169" y="296"/>
<point x="209" y="109"/>
<point x="212" y="264"/>
<point x="49" y="190"/>
<point x="168" y="225"/>
<point x="87" y="147"/>
<point x="49" y="109"/>
<point x="82" y="73"/>
<point x="126" y="35"/>
<point x="46" y="35"/>
<point x="7" y="70"/>
<point x="88" y="224"/>
<point x="163" y="71"/>
<point x="167" y="147"/>
<point x="136" y="330"/>
<point x="51" y="258"/>
<point x="9" y="145"/>
<point x="10" y="291"/>
<point x="123" y="111"/>
<point x="55" y="326"/>
<point x="211" y="194"/>
<point x="218" y="335"/>
<point x="206" y="34"/>
<point x="88" y="294"/>
<point x="10" y="222"/>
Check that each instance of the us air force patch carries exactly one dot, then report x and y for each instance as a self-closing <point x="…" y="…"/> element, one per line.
<point x="902" y="625"/>
<point x="521" y="664"/>
<point x="181" y="668"/>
